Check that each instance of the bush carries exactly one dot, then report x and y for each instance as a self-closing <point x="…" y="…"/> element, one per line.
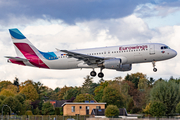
<point x="57" y="111"/>
<point x="29" y="112"/>
<point x="157" y="109"/>
<point x="178" y="108"/>
<point x="135" y="110"/>
<point x="112" y="111"/>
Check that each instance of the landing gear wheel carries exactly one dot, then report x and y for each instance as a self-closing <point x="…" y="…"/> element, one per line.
<point x="155" y="69"/>
<point x="101" y="75"/>
<point x="93" y="73"/>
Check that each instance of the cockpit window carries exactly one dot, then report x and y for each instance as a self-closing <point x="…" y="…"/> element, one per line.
<point x="165" y="47"/>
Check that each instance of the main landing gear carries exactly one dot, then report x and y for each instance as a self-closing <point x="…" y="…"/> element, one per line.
<point x="154" y="69"/>
<point x="100" y="74"/>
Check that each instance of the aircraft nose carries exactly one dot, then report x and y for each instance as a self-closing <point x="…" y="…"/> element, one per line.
<point x="174" y="53"/>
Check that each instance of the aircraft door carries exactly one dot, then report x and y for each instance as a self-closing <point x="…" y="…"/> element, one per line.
<point x="151" y="49"/>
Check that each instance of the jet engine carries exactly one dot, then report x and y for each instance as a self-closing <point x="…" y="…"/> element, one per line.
<point x="125" y="67"/>
<point x="117" y="64"/>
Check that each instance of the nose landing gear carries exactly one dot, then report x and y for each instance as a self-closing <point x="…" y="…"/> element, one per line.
<point x="154" y="64"/>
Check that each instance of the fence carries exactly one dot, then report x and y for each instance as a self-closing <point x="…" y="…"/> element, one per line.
<point x="57" y="117"/>
<point x="42" y="117"/>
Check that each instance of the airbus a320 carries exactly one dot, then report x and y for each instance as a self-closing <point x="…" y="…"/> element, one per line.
<point x="119" y="58"/>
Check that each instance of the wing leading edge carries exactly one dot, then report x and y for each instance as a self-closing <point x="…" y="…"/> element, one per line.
<point x="88" y="59"/>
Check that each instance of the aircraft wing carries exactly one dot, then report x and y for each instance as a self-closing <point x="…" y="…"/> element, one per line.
<point x="17" y="58"/>
<point x="86" y="58"/>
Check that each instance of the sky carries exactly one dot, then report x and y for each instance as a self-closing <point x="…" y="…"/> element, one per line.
<point x="79" y="24"/>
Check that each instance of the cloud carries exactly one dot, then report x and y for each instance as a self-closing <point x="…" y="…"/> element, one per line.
<point x="69" y="11"/>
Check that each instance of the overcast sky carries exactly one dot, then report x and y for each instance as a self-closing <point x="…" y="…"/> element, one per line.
<point x="78" y="24"/>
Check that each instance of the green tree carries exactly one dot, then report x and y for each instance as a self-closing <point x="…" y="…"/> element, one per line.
<point x="47" y="109"/>
<point x="2" y="97"/>
<point x="4" y="84"/>
<point x="112" y="111"/>
<point x="143" y="84"/>
<point x="87" y="84"/>
<point x="20" y="98"/>
<point x="37" y="111"/>
<point x="57" y="89"/>
<point x="157" y="109"/>
<point x="99" y="91"/>
<point x="112" y="96"/>
<point x="84" y="97"/>
<point x="168" y="93"/>
<point x="134" y="78"/>
<point x="62" y="92"/>
<point x="71" y="93"/>
<point x="16" y="83"/>
<point x="13" y="103"/>
<point x="178" y="108"/>
<point x="30" y="92"/>
<point x="57" y="111"/>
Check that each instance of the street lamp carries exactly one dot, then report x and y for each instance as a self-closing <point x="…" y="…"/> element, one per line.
<point x="2" y="110"/>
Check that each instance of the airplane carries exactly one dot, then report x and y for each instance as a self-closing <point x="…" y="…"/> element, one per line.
<point x="119" y="58"/>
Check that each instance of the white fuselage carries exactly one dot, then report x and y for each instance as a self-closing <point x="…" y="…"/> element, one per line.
<point x="134" y="53"/>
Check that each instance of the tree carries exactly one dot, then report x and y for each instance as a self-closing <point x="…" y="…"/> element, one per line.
<point x="112" y="96"/>
<point x="92" y="88"/>
<point x="16" y="83"/>
<point x="47" y="109"/>
<point x="30" y="92"/>
<point x="4" y="84"/>
<point x="99" y="91"/>
<point x="178" y="108"/>
<point x="13" y="103"/>
<point x="168" y="93"/>
<point x="2" y="97"/>
<point x="20" y="98"/>
<point x="62" y="92"/>
<point x="7" y="92"/>
<point x="143" y="84"/>
<point x="71" y="93"/>
<point x="134" y="78"/>
<point x="84" y="97"/>
<point x="112" y="111"/>
<point x="157" y="109"/>
<point x="87" y="84"/>
<point x="36" y="111"/>
<point x="57" y="89"/>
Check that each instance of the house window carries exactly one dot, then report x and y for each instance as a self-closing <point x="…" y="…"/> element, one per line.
<point x="73" y="108"/>
<point x="98" y="107"/>
<point x="80" y="107"/>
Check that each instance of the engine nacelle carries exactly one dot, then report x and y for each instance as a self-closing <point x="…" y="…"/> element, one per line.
<point x="117" y="64"/>
<point x="125" y="67"/>
<point x="112" y="63"/>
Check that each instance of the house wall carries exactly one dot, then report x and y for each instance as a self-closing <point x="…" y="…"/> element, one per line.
<point x="67" y="109"/>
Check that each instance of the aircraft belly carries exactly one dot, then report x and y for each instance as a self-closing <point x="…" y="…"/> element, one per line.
<point x="61" y="64"/>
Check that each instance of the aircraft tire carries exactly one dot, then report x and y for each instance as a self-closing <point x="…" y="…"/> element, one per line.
<point x="155" y="69"/>
<point x="93" y="73"/>
<point x="101" y="75"/>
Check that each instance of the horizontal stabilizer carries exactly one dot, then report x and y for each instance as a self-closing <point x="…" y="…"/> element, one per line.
<point x="17" y="58"/>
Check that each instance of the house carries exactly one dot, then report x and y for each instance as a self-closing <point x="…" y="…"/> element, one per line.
<point x="73" y="108"/>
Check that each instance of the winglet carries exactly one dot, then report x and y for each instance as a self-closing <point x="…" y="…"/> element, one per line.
<point x="16" y="33"/>
<point x="57" y="49"/>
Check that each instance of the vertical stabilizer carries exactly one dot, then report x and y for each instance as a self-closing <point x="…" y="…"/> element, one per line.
<point x="22" y="45"/>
